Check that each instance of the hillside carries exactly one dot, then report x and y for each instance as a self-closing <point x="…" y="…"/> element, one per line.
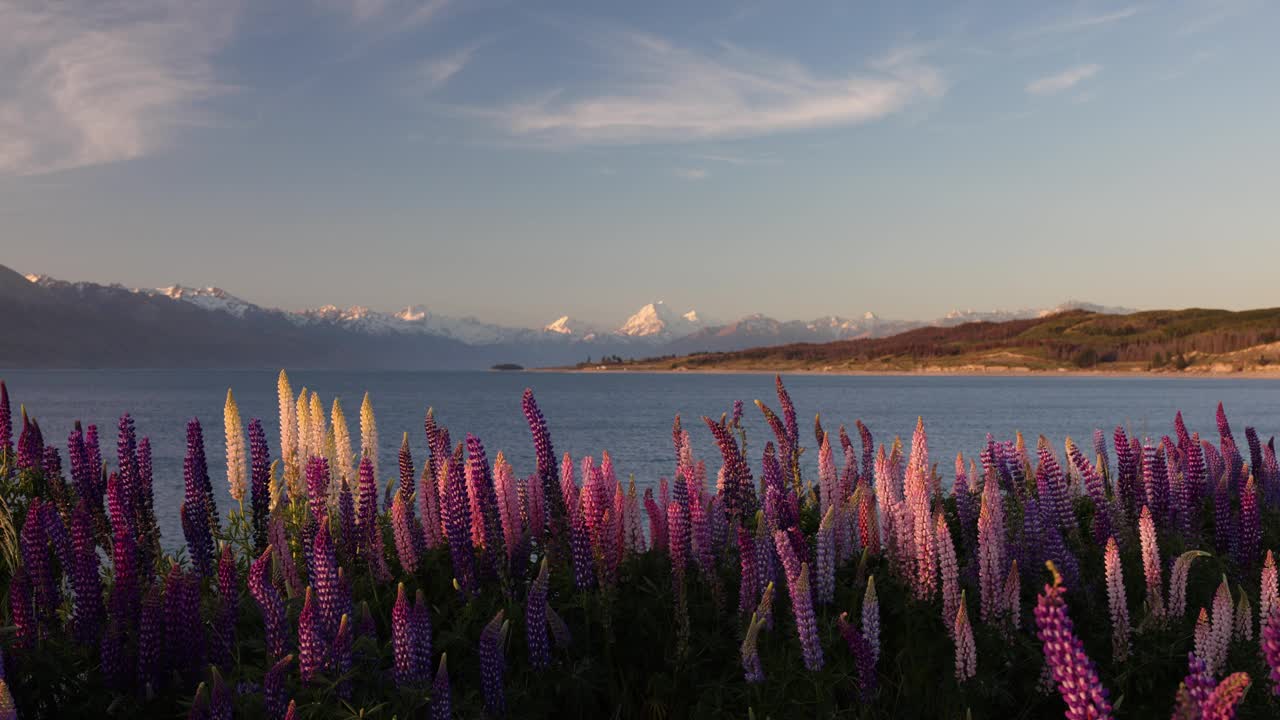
<point x="1192" y="340"/>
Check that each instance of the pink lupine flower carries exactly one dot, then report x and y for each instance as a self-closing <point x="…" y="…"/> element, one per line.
<point x="826" y="558"/>
<point x="1151" y="563"/>
<point x="1271" y="646"/>
<point x="1223" y="627"/>
<point x="1202" y="639"/>
<point x="951" y="594"/>
<point x="966" y="652"/>
<point x="312" y="645"/>
<point x="1071" y="669"/>
<point x="827" y="481"/>
<point x="1222" y="702"/>
<point x="1178" y="582"/>
<point x="1117" y="602"/>
<point x="504" y="479"/>
<point x="991" y="550"/>
<point x="407" y="671"/>
<point x="1270" y="593"/>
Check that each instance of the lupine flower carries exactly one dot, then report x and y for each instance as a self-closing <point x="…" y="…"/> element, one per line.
<point x="1151" y="563"/>
<point x="548" y="472"/>
<point x="806" y="623"/>
<point x="30" y="444"/>
<point x="273" y="688"/>
<point x="1244" y="619"/>
<point x="1178" y="582"/>
<point x="195" y="510"/>
<point x="966" y="651"/>
<point x="1194" y="690"/>
<point x="312" y="645"/>
<point x="6" y="423"/>
<point x="326" y="583"/>
<point x="1102" y="525"/>
<point x="151" y="629"/>
<point x="22" y="608"/>
<point x="291" y="713"/>
<point x="34" y="547"/>
<point x="536" y="619"/>
<point x="457" y="523"/>
<point x="1250" y="529"/>
<point x="229" y="602"/>
<point x="183" y="630"/>
<point x="991" y="552"/>
<point x="1270" y="637"/>
<point x="124" y="588"/>
<point x="1117" y="602"/>
<point x="486" y="499"/>
<point x="236" y="456"/>
<point x="441" y="694"/>
<point x="1013" y="596"/>
<point x="288" y="427"/>
<point x="343" y="456"/>
<point x="369" y="433"/>
<point x="1071" y="669"/>
<point x="580" y="548"/>
<point x="1221" y="703"/>
<point x="200" y="470"/>
<point x="85" y="580"/>
<point x="871" y="619"/>
<point x="260" y="486"/>
<point x="753" y="672"/>
<point x="1156" y="483"/>
<point x="505" y="489"/>
<point x="1202" y="638"/>
<point x="339" y="660"/>
<point x="951" y="594"/>
<point x="402" y="527"/>
<point x="402" y="641"/>
<point x="1223" y="628"/>
<point x="739" y="496"/>
<point x="269" y="602"/>
<point x="493" y="665"/>
<point x="1270" y="591"/>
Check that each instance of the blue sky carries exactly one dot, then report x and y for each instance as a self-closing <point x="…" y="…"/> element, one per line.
<point x="521" y="160"/>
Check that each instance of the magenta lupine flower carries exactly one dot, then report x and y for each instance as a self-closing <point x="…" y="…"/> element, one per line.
<point x="1151" y="562"/>
<point x="1117" y="602"/>
<point x="678" y="528"/>
<point x="1102" y="526"/>
<point x="1249" y="545"/>
<point x="785" y="447"/>
<point x="291" y="713"/>
<point x="487" y="500"/>
<point x="151" y="628"/>
<point x="326" y="583"/>
<point x="312" y="645"/>
<point x="657" y="521"/>
<point x="22" y="608"/>
<point x="6" y="423"/>
<point x="1221" y="703"/>
<point x="30" y="444"/>
<point x="1269" y="594"/>
<point x="285" y="565"/>
<point x="34" y="547"/>
<point x="82" y="475"/>
<point x="429" y="509"/>
<point x="85" y="580"/>
<point x="183" y="630"/>
<point x="739" y="496"/>
<point x="260" y="484"/>
<point x="806" y="623"/>
<point x="493" y="665"/>
<point x="991" y="550"/>
<point x="318" y="488"/>
<point x="127" y="461"/>
<point x="269" y="602"/>
<point x="966" y="653"/>
<point x="124" y="588"/>
<point x="1071" y="669"/>
<point x="1270" y="638"/>
<point x="402" y="528"/>
<point x="406" y="487"/>
<point x="273" y="688"/>
<point x="407" y="672"/>
<point x="505" y="490"/>
<point x="457" y="520"/>
<point x="548" y="472"/>
<point x="441" y="694"/>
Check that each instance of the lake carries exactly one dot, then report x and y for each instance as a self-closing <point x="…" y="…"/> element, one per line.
<point x="628" y="414"/>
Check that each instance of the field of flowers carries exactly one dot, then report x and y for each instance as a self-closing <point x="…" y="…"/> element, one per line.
<point x="1129" y="577"/>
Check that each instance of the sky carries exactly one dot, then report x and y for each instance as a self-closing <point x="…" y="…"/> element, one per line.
<point x="518" y="161"/>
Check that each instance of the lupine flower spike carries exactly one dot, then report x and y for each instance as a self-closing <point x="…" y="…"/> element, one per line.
<point x="1069" y="666"/>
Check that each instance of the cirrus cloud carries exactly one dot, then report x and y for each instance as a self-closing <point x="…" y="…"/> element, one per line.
<point x="1065" y="80"/>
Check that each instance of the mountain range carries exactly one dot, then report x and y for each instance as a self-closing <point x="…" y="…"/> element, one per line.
<point x="55" y="323"/>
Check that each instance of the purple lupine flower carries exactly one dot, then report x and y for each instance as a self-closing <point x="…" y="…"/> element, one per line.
<point x="1070" y="667"/>
<point x="318" y="488"/>
<point x="269" y="602"/>
<point x="1100" y="451"/>
<point x="150" y="636"/>
<point x="6" y="423"/>
<point x="441" y="694"/>
<point x="339" y="659"/>
<point x="228" y="605"/>
<point x="749" y="586"/>
<point x="493" y="665"/>
<point x="863" y="658"/>
<point x="548" y="472"/>
<point x="114" y="659"/>
<point x="422" y="641"/>
<point x="1052" y="486"/>
<point x="1255" y="451"/>
<point x="775" y="423"/>
<point x="56" y="484"/>
<point x="584" y="575"/>
<point x="348" y="540"/>
<point x="826" y="551"/>
<point x="82" y="475"/>
<point x="458" y="519"/>
<point x="406" y="487"/>
<point x="739" y="494"/>
<point x="312" y="644"/>
<point x="486" y="497"/>
<point x="402" y="527"/>
<point x="273" y="689"/>
<point x="200" y="472"/>
<point x="1126" y="473"/>
<point x="749" y="650"/>
<point x="407" y="671"/>
<point x="1194" y="690"/>
<point x="124" y="588"/>
<point x="429" y="507"/>
<point x="183" y="630"/>
<point x="535" y="619"/>
<point x="146" y="499"/>
<point x="22" y="608"/>
<point x="1155" y="480"/>
<point x="1271" y="467"/>
<point x="34" y="547"/>
<point x="30" y="444"/>
<point x="93" y="453"/>
<point x="1102" y="526"/>
<point x="285" y="565"/>
<point x="195" y="511"/>
<point x="1248" y="548"/>
<point x="56" y="533"/>
<point x="1225" y="531"/>
<point x="85" y="581"/>
<point x="260" y="483"/>
<point x="806" y="623"/>
<point x="219" y="698"/>
<point x="325" y="582"/>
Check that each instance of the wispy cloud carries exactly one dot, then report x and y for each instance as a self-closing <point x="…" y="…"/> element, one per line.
<point x="438" y="71"/>
<point x="87" y="82"/>
<point x="1065" y="80"/>
<point x="691" y="173"/>
<point x="654" y="91"/>
<point x="1076" y="22"/>
<point x="405" y="14"/>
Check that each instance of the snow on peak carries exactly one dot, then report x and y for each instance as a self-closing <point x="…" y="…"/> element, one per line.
<point x="563" y="326"/>
<point x="208" y="298"/>
<point x="413" y="313"/>
<point x="658" y="319"/>
<point x="870" y="316"/>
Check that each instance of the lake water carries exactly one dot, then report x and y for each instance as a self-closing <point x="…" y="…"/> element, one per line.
<point x="627" y="414"/>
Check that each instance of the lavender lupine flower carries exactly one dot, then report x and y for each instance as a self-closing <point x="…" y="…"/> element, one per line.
<point x="1102" y="525"/>
<point x="548" y="472"/>
<point x="493" y="665"/>
<point x="85" y="580"/>
<point x="1270" y="638"/>
<point x="402" y="526"/>
<point x="806" y="623"/>
<point x="991" y="550"/>
<point x="183" y="630"/>
<point x="6" y="423"/>
<point x="457" y="520"/>
<point x="1117" y="602"/>
<point x="580" y="547"/>
<point x="273" y="688"/>
<point x="312" y="644"/>
<point x="441" y="694"/>
<point x="1071" y="669"/>
<point x="749" y="580"/>
<point x="1051" y="485"/>
<point x="1151" y="563"/>
<point x="1225" y="531"/>
<point x="753" y="672"/>
<point x="966" y="653"/>
<point x="1250" y="528"/>
<point x="151" y="629"/>
<point x="947" y="569"/>
<point x="260" y="484"/>
<point x="269" y="602"/>
<point x="1269" y="595"/>
<point x="407" y="672"/>
<point x="1178" y="581"/>
<point x="1221" y="703"/>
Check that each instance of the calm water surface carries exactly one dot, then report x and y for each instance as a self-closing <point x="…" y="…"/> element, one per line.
<point x="627" y="414"/>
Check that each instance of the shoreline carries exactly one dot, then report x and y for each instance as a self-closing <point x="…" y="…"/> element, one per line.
<point x="1252" y="374"/>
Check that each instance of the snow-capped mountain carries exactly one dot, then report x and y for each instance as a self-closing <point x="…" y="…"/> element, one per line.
<point x="959" y="317"/>
<point x="659" y="321"/>
<point x="571" y="327"/>
<point x="210" y="298"/>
